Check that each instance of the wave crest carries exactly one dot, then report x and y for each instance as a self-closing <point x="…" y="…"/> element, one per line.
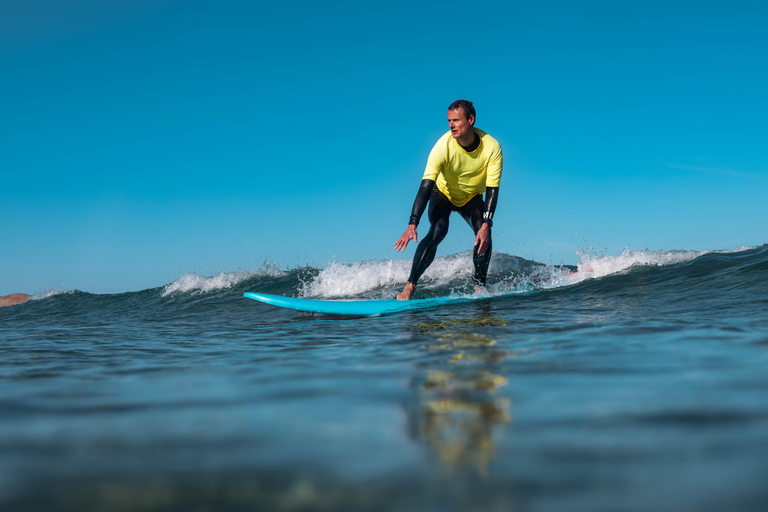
<point x="600" y="265"/>
<point x="50" y="293"/>
<point x="193" y="282"/>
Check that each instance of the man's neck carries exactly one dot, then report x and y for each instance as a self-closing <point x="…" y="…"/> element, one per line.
<point x="471" y="144"/>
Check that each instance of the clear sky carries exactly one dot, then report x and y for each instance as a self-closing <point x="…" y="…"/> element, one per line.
<point x="141" y="140"/>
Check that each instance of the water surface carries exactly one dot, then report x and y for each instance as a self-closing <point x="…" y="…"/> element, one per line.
<point x="637" y="384"/>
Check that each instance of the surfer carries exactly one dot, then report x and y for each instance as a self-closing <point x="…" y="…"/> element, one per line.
<point x="464" y="163"/>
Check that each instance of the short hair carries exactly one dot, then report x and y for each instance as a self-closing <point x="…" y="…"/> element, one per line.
<point x="466" y="106"/>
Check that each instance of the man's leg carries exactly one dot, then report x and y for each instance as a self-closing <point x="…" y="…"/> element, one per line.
<point x="472" y="212"/>
<point x="481" y="265"/>
<point x="438" y="213"/>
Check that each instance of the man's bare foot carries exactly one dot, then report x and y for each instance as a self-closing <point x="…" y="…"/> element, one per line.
<point x="480" y="289"/>
<point x="407" y="291"/>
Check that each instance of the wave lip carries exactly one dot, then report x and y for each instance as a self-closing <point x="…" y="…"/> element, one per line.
<point x="193" y="282"/>
<point x="50" y="293"/>
<point x="600" y="266"/>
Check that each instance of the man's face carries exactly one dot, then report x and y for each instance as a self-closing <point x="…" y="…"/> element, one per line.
<point x="460" y="125"/>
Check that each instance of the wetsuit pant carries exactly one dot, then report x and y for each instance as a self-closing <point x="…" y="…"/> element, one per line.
<point x="439" y="211"/>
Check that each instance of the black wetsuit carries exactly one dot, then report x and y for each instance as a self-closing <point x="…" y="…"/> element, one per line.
<point x="475" y="212"/>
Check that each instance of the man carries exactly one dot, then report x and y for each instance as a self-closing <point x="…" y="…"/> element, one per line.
<point x="464" y="163"/>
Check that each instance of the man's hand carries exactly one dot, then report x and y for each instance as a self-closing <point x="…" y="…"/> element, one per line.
<point x="410" y="234"/>
<point x="481" y="240"/>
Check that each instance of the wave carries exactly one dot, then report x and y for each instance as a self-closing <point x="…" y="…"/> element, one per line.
<point x="674" y="272"/>
<point x="507" y="273"/>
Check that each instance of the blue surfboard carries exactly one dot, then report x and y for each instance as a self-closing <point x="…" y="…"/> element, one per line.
<point x="358" y="307"/>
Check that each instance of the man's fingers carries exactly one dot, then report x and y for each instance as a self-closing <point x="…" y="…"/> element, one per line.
<point x="402" y="242"/>
<point x="482" y="245"/>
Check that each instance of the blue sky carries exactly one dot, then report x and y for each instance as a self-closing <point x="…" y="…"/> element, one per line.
<point x="140" y="140"/>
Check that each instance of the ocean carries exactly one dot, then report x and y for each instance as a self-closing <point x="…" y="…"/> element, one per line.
<point x="633" y="382"/>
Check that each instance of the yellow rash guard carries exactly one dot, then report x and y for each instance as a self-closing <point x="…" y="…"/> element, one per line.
<point x="461" y="175"/>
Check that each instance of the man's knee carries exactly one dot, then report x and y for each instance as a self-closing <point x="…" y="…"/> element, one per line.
<point x="436" y="235"/>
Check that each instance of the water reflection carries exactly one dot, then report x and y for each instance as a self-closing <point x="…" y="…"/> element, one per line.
<point x="460" y="408"/>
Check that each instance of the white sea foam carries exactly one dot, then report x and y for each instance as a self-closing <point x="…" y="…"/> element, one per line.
<point x="604" y="265"/>
<point x="49" y="293"/>
<point x="593" y="266"/>
<point x="352" y="279"/>
<point x="193" y="282"/>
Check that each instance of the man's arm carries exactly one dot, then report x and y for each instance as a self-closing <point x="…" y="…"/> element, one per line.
<point x="491" y="200"/>
<point x="419" y="205"/>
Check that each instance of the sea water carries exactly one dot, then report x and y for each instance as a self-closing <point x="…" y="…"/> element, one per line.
<point x="638" y="383"/>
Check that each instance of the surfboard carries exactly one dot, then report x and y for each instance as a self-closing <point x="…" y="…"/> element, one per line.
<point x="358" y="307"/>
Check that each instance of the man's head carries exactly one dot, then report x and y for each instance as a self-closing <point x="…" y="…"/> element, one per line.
<point x="461" y="119"/>
<point x="466" y="107"/>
